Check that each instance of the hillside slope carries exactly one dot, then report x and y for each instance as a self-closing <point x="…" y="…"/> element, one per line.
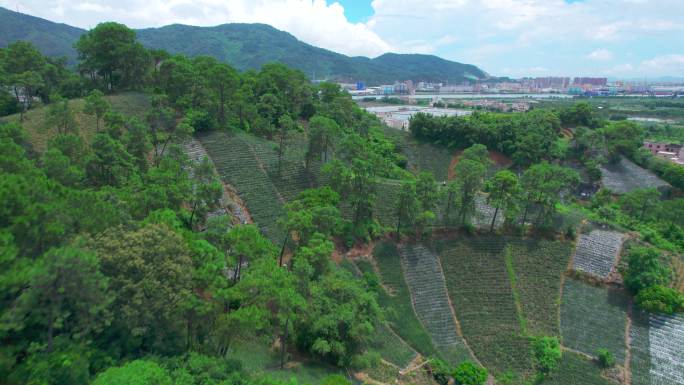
<point x="247" y="46"/>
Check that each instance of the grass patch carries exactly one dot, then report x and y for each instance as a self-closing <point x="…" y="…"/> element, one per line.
<point x="128" y="103"/>
<point x="514" y="287"/>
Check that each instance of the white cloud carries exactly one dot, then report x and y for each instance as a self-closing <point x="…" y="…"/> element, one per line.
<point x="601" y="54"/>
<point x="666" y="64"/>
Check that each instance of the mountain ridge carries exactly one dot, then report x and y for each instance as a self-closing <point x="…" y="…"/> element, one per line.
<point x="247" y="46"/>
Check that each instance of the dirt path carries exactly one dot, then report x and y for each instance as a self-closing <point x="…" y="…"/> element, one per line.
<point x="452" y="166"/>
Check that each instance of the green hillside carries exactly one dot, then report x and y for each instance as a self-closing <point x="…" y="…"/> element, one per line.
<point x="246" y="46"/>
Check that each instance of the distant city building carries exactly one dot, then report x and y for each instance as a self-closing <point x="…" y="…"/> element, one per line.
<point x="581" y="81"/>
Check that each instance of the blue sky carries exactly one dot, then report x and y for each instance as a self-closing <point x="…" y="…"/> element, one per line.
<point x="614" y="38"/>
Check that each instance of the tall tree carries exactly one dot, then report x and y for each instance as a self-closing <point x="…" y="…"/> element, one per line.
<point x="96" y="105"/>
<point x="59" y="115"/>
<point x="469" y="180"/>
<point x="110" y="51"/>
<point x="503" y="189"/>
<point x="407" y="206"/>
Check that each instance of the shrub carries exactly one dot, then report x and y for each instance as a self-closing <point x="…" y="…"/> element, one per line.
<point x="605" y="358"/>
<point x="570" y="233"/>
<point x="440" y="371"/>
<point x="365" y="360"/>
<point x="547" y="353"/>
<point x="644" y="270"/>
<point x="467" y="373"/>
<point x="660" y="299"/>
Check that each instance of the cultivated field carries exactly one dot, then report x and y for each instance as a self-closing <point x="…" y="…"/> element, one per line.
<point x="640" y="346"/>
<point x="238" y="165"/>
<point x="421" y="156"/>
<point x="626" y="176"/>
<point x="666" y="337"/>
<point x="593" y="318"/>
<point x="430" y="300"/>
<point x="397" y="300"/>
<point x="597" y="252"/>
<point x="538" y="267"/>
<point x="483" y="299"/>
<point x="575" y="369"/>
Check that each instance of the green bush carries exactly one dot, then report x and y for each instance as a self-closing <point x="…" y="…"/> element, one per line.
<point x="605" y="358"/>
<point x="644" y="269"/>
<point x="547" y="353"/>
<point x="440" y="371"/>
<point x="365" y="360"/>
<point x="660" y="299"/>
<point x="468" y="373"/>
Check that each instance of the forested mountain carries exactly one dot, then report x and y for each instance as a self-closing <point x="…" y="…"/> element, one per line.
<point x="246" y="46"/>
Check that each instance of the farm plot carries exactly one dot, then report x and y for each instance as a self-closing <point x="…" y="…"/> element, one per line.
<point x="627" y="176"/>
<point x="575" y="369"/>
<point x="237" y="165"/>
<point x="592" y="318"/>
<point x="481" y="293"/>
<point x="640" y="363"/>
<point x="538" y="267"/>
<point x="396" y="299"/>
<point x="421" y="156"/>
<point x="666" y="336"/>
<point x="425" y="281"/>
<point x="196" y="153"/>
<point x="597" y="252"/>
<point x="390" y="346"/>
<point x="291" y="178"/>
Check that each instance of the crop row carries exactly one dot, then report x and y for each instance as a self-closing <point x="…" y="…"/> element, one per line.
<point x="480" y="290"/>
<point x="640" y="364"/>
<point x="592" y="318"/>
<point x="538" y="267"/>
<point x="237" y="165"/>
<point x="627" y="176"/>
<point x="597" y="252"/>
<point x="575" y="369"/>
<point x="430" y="300"/>
<point x="396" y="299"/>
<point x="666" y="336"/>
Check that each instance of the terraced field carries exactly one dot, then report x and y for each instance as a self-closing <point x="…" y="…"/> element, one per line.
<point x="396" y="299"/>
<point x="666" y="337"/>
<point x="421" y="156"/>
<point x="592" y="318"/>
<point x="392" y="348"/>
<point x="538" y="268"/>
<point x="430" y="300"/>
<point x="196" y="152"/>
<point x="627" y="176"/>
<point x="640" y="344"/>
<point x="237" y="164"/>
<point x="597" y="252"/>
<point x="482" y="296"/>
<point x="576" y="369"/>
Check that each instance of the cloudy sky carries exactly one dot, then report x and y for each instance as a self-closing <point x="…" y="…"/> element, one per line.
<point x="616" y="38"/>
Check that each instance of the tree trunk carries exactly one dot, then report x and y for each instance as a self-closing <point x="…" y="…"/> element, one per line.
<point x="283" y="339"/>
<point x="491" y="228"/>
<point x="282" y="251"/>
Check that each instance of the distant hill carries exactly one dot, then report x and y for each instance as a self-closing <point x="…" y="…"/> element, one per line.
<point x="247" y="46"/>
